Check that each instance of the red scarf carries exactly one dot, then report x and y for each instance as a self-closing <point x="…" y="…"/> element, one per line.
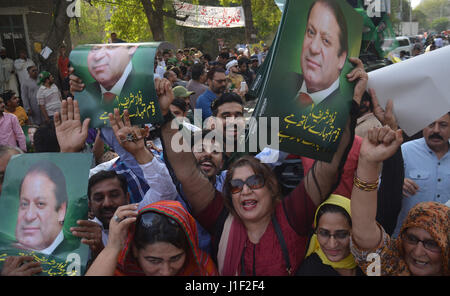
<point x="198" y="262"/>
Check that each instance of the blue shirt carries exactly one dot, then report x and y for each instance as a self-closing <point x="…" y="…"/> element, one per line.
<point x="204" y="103"/>
<point x="431" y="174"/>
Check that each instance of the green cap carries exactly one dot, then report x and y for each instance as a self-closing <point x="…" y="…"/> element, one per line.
<point x="43" y="76"/>
<point x="181" y="92"/>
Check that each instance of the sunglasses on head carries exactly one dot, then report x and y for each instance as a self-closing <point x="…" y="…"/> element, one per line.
<point x="253" y="182"/>
<point x="428" y="244"/>
<point x="149" y="219"/>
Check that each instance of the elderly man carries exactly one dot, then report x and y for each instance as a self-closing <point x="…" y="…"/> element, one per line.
<point x="427" y="168"/>
<point x="42" y="208"/>
<point x="324" y="53"/>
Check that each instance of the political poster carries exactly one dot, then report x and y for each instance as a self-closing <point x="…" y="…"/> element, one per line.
<point x="118" y="75"/>
<point x="306" y="85"/>
<point x="43" y="196"/>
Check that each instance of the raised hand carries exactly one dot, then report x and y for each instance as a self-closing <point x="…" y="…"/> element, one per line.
<point x="385" y="117"/>
<point x="76" y="84"/>
<point x="380" y="144"/>
<point x="131" y="138"/>
<point x="20" y="266"/>
<point x="71" y="134"/>
<point x="119" y="224"/>
<point x="165" y="94"/>
<point x="359" y="75"/>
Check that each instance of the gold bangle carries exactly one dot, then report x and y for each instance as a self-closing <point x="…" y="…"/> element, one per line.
<point x="365" y="186"/>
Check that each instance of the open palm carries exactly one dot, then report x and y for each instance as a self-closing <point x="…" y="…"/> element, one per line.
<point x="130" y="137"/>
<point x="71" y="134"/>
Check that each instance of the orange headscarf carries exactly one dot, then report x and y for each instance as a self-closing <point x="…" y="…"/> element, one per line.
<point x="435" y="219"/>
<point x="198" y="262"/>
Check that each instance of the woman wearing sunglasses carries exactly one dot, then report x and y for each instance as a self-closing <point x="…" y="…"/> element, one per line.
<point x="329" y="248"/>
<point x="423" y="245"/>
<point x="159" y="240"/>
<point x="254" y="230"/>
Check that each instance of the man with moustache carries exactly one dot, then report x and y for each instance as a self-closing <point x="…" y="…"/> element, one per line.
<point x="43" y="203"/>
<point x="427" y="168"/>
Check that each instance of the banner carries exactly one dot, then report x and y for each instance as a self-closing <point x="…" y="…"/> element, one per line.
<point x="306" y="85"/>
<point x="43" y="196"/>
<point x="118" y="75"/>
<point x="211" y="17"/>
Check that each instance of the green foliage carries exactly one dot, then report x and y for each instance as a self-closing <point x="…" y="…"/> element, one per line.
<point x="421" y="18"/>
<point x="128" y="20"/>
<point x="440" y="24"/>
<point x="91" y="25"/>
<point x="434" y="9"/>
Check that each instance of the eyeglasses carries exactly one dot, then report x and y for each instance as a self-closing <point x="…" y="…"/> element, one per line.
<point x="253" y="182"/>
<point x="428" y="244"/>
<point x="338" y="235"/>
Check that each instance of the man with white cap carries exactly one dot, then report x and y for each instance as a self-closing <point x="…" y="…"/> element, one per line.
<point x="234" y="78"/>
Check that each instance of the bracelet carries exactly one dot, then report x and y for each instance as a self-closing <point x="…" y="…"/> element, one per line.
<point x="365" y="186"/>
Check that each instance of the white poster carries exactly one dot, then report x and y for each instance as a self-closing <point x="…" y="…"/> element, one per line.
<point x="419" y="88"/>
<point x="199" y="16"/>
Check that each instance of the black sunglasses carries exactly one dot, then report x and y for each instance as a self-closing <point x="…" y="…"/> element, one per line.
<point x="428" y="244"/>
<point x="253" y="182"/>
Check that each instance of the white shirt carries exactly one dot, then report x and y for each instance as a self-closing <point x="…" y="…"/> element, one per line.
<point x="50" y="98"/>
<point x="53" y="246"/>
<point x="319" y="96"/>
<point x="21" y="66"/>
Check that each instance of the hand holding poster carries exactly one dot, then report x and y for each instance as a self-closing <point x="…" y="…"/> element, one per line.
<point x="307" y="86"/>
<point x="419" y="96"/>
<point x="43" y="196"/>
<point x="118" y="75"/>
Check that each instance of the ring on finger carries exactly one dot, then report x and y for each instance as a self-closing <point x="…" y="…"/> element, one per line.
<point x="117" y="219"/>
<point x="130" y="138"/>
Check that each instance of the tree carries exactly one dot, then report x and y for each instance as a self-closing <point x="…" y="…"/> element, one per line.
<point x="59" y="31"/>
<point x="440" y="24"/>
<point x="90" y="27"/>
<point x="265" y="16"/>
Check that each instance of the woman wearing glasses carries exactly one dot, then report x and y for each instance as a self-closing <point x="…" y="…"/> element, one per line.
<point x="329" y="248"/>
<point x="160" y="240"/>
<point x="423" y="245"/>
<point x="254" y="230"/>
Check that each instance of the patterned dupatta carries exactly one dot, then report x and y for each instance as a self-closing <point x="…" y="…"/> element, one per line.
<point x="198" y="262"/>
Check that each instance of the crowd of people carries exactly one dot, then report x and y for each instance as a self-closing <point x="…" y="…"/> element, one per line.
<point x="157" y="211"/>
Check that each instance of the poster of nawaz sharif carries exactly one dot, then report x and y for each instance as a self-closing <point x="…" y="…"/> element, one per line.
<point x="118" y="75"/>
<point x="43" y="196"/>
<point x="305" y="85"/>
